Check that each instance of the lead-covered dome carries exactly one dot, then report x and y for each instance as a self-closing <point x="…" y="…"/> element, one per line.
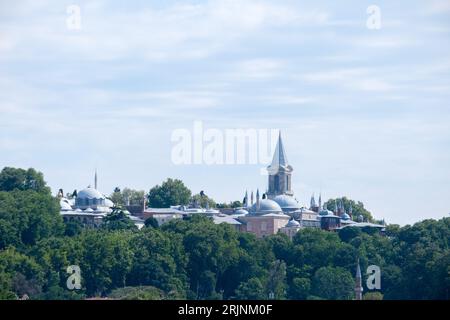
<point x="286" y="202"/>
<point x="265" y="206"/>
<point x="90" y="193"/>
<point x="293" y="224"/>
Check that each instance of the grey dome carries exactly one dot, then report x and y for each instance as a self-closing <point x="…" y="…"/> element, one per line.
<point x="286" y="202"/>
<point x="293" y="223"/>
<point x="326" y="212"/>
<point x="109" y="203"/>
<point x="345" y="216"/>
<point x="240" y="212"/>
<point x="64" y="204"/>
<point x="90" y="193"/>
<point x="305" y="210"/>
<point x="266" y="206"/>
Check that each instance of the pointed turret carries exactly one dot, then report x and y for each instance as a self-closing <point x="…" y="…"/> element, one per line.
<point x="320" y="201"/>
<point x="245" y="204"/>
<point x="279" y="157"/>
<point x="279" y="173"/>
<point x="258" y="204"/>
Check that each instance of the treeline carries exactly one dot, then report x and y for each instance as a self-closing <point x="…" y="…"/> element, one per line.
<point x="196" y="259"/>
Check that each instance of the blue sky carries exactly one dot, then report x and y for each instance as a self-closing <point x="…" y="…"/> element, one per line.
<point x="364" y="113"/>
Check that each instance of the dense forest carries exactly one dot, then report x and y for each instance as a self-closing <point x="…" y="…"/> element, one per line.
<point x="196" y="259"/>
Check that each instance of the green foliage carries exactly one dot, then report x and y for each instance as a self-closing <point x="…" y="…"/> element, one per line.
<point x="122" y="197"/>
<point x="73" y="228"/>
<point x="137" y="293"/>
<point x="118" y="220"/>
<point x="300" y="288"/>
<point x="22" y="180"/>
<point x="233" y="204"/>
<point x="252" y="289"/>
<point x="357" y="208"/>
<point x="203" y="201"/>
<point x="333" y="283"/>
<point x="373" y="296"/>
<point x="28" y="216"/>
<point x="151" y="223"/>
<point x="171" y="192"/>
<point x="196" y="259"/>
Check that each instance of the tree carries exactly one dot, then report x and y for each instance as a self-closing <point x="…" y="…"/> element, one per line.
<point x="21" y="179"/>
<point x="357" y="207"/>
<point x="118" y="220"/>
<point x="276" y="282"/>
<point x="252" y="289"/>
<point x="233" y="204"/>
<point x="127" y="195"/>
<point x="27" y="217"/>
<point x="203" y="201"/>
<point x="151" y="223"/>
<point x="373" y="296"/>
<point x="137" y="293"/>
<point x="73" y="228"/>
<point x="300" y="288"/>
<point x="333" y="283"/>
<point x="171" y="192"/>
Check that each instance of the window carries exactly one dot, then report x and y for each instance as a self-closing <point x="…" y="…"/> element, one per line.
<point x="263" y="226"/>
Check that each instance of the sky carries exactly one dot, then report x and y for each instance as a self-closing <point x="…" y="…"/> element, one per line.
<point x="364" y="112"/>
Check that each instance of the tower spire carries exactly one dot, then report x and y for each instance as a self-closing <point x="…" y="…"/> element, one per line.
<point x="279" y="157"/>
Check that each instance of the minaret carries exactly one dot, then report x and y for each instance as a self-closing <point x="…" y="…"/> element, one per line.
<point x="358" y="283"/>
<point x="251" y="203"/>
<point x="320" y="201"/>
<point x="246" y="199"/>
<point x="258" y="204"/>
<point x="279" y="173"/>
<point x="95" y="179"/>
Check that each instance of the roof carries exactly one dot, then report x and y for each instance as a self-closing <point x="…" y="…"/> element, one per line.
<point x="218" y="219"/>
<point x="285" y="201"/>
<point x="364" y="224"/>
<point x="279" y="158"/>
<point x="90" y="193"/>
<point x="265" y="206"/>
<point x="163" y="210"/>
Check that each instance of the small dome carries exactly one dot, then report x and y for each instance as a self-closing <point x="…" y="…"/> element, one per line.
<point x="266" y="206"/>
<point x="89" y="210"/>
<point x="293" y="223"/>
<point x="326" y="212"/>
<point x="65" y="205"/>
<point x="109" y="203"/>
<point x="90" y="193"/>
<point x="286" y="202"/>
<point x="241" y="212"/>
<point x="345" y="216"/>
<point x="305" y="210"/>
